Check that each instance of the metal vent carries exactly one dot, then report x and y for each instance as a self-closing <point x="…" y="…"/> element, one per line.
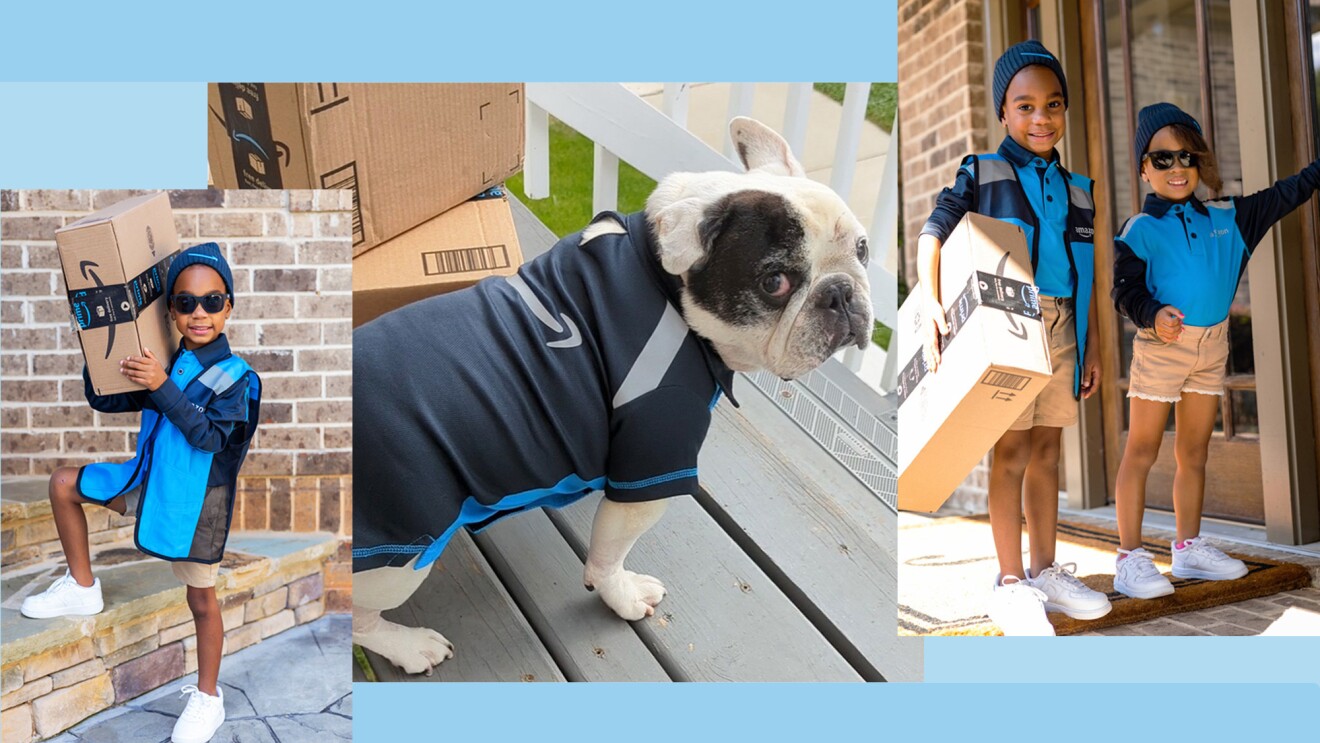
<point x="852" y="434"/>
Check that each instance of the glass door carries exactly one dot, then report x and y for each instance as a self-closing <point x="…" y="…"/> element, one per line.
<point x="1181" y="51"/>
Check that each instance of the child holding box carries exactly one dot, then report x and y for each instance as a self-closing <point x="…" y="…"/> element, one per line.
<point x="198" y="417"/>
<point x="1025" y="184"/>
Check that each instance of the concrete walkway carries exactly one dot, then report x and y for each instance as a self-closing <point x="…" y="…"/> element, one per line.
<point x="291" y="688"/>
<point x="1288" y="613"/>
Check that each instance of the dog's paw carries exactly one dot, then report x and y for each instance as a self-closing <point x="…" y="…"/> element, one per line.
<point x="414" y="649"/>
<point x="631" y="595"/>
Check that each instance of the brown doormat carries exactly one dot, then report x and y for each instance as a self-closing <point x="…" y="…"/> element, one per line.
<point x="947" y="568"/>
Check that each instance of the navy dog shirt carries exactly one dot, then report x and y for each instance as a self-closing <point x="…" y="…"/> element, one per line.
<point x="576" y="374"/>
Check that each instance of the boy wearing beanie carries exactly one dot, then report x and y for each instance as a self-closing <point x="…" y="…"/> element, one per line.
<point x="198" y="416"/>
<point x="1024" y="183"/>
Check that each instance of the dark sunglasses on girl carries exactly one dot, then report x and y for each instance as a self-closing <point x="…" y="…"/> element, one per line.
<point x="187" y="303"/>
<point x="1163" y="159"/>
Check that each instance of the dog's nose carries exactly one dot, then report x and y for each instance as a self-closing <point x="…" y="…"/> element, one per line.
<point x="837" y="298"/>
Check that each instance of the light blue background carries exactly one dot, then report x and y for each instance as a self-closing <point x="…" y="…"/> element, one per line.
<point x="153" y="135"/>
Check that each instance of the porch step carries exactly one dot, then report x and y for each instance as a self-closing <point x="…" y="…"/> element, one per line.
<point x="28" y="535"/>
<point x="56" y="672"/>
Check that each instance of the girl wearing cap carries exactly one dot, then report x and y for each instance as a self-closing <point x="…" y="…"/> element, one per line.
<point x="1177" y="265"/>
<point x="198" y="417"/>
<point x="1025" y="184"/>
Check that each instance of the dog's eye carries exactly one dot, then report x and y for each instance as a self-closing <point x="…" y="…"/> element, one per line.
<point x="863" y="250"/>
<point x="776" y="285"/>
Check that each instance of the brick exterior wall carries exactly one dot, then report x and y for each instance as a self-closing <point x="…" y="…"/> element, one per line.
<point x="941" y="104"/>
<point x="291" y="256"/>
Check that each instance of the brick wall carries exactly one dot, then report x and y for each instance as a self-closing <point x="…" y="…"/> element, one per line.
<point x="942" y="106"/>
<point x="941" y="103"/>
<point x="290" y="252"/>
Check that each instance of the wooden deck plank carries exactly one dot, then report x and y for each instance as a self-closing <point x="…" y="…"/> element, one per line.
<point x="809" y="523"/>
<point x="534" y="238"/>
<point x="463" y="600"/>
<point x="544" y="575"/>
<point x="723" y="619"/>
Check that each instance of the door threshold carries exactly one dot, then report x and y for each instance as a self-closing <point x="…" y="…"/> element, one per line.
<point x="1228" y="531"/>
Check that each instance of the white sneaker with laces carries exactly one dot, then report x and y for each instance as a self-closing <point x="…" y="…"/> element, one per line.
<point x="1064" y="592"/>
<point x="1136" y="575"/>
<point x="1019" y="609"/>
<point x="64" y="598"/>
<point x="201" y="718"/>
<point x="1199" y="559"/>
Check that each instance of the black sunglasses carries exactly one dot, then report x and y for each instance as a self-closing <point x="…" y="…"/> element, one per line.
<point x="1163" y="159"/>
<point x="186" y="303"/>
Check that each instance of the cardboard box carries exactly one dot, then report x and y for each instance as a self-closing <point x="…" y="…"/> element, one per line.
<point x="115" y="265"/>
<point x="408" y="151"/>
<point x="994" y="362"/>
<point x="457" y="249"/>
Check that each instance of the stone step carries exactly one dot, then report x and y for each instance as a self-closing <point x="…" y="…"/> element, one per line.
<point x="28" y="535"/>
<point x="56" y="672"/>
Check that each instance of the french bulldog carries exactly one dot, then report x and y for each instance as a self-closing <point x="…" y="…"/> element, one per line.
<point x="596" y="367"/>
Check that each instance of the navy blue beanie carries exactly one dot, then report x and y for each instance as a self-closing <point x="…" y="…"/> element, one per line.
<point x="1022" y="55"/>
<point x="1155" y="117"/>
<point x="206" y="254"/>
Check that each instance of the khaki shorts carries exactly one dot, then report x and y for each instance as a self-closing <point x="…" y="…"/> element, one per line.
<point x="193" y="574"/>
<point x="1056" y="406"/>
<point x="1197" y="362"/>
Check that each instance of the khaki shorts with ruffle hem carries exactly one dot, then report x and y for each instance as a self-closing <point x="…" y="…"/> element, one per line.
<point x="1197" y="362"/>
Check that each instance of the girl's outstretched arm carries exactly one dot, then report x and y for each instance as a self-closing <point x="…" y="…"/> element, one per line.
<point x="1257" y="213"/>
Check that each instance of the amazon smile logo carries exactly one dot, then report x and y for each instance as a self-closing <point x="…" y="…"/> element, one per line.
<point x="564" y="324"/>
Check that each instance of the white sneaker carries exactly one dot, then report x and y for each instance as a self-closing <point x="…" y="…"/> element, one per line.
<point x="1019" y="609"/>
<point x="201" y="718"/>
<point x="1198" y="559"/>
<point x="64" y="598"/>
<point x="1065" y="593"/>
<point x="1136" y="575"/>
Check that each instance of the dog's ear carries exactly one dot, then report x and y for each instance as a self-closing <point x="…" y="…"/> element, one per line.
<point x="684" y="234"/>
<point x="761" y="148"/>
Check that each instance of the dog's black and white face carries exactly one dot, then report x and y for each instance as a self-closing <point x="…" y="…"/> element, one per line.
<point x="773" y="264"/>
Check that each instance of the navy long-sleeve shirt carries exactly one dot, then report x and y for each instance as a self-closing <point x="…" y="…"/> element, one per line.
<point x="1191" y="255"/>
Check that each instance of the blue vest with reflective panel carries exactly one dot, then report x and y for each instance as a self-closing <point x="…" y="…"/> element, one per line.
<point x="177" y="517"/>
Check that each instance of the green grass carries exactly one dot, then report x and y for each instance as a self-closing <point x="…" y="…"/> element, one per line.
<point x="569" y="208"/>
<point x="880" y="105"/>
<point x="881" y="336"/>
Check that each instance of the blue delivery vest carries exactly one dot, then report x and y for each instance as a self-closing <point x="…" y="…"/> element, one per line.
<point x="1000" y="194"/>
<point x="187" y="493"/>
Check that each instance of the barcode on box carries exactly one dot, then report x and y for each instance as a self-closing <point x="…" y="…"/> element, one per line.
<point x="462" y="260"/>
<point x="346" y="177"/>
<point x="1005" y="380"/>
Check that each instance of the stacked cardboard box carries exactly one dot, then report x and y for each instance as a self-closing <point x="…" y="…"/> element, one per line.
<point x="994" y="361"/>
<point x="424" y="161"/>
<point x="457" y="249"/>
<point x="408" y="151"/>
<point x="115" y="264"/>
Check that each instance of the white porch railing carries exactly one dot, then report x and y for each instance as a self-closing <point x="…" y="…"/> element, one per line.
<point x="657" y="143"/>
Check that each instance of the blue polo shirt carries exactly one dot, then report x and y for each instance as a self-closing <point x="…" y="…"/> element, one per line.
<point x="1046" y="190"/>
<point x="576" y="374"/>
<point x="1191" y="255"/>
